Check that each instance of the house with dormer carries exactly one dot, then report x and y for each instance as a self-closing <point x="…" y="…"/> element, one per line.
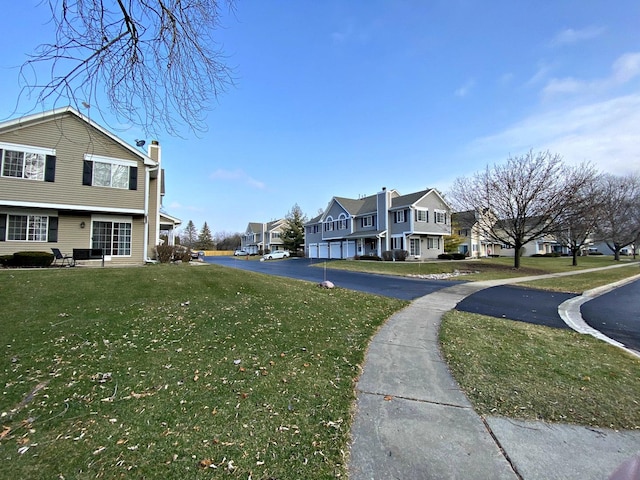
<point x="386" y="221"/>
<point x="68" y="183"/>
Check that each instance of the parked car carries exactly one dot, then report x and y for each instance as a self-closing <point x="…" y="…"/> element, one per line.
<point x="240" y="253"/>
<point x="276" y="254"/>
<point x="196" y="255"/>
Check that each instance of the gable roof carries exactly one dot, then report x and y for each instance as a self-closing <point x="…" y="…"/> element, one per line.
<point x="36" y="118"/>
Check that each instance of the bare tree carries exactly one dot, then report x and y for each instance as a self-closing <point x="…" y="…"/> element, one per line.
<point x="227" y="240"/>
<point x="520" y="200"/>
<point x="155" y="60"/>
<point x="619" y="226"/>
<point x="577" y="222"/>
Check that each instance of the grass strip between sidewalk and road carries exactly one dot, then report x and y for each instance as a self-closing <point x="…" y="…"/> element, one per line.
<point x="525" y="371"/>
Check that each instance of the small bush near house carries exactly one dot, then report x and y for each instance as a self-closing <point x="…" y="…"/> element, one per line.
<point x="546" y="255"/>
<point x="172" y="253"/>
<point x="165" y="253"/>
<point x="375" y="258"/>
<point x="387" y="255"/>
<point x="445" y="256"/>
<point x="5" y="260"/>
<point x="596" y="253"/>
<point x="400" y="255"/>
<point x="31" y="259"/>
<point x="458" y="256"/>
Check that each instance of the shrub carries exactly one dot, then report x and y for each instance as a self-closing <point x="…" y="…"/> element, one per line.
<point x="5" y="260"/>
<point x="387" y="255"/>
<point x="458" y="256"/>
<point x="368" y="257"/>
<point x="165" y="253"/>
<point x="445" y="256"/>
<point x="400" y="255"/>
<point x="31" y="259"/>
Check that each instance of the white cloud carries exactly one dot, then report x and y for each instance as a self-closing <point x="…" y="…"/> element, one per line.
<point x="540" y="75"/>
<point x="569" y="36"/>
<point x="603" y="133"/>
<point x="464" y="90"/>
<point x="624" y="69"/>
<point x="237" y="176"/>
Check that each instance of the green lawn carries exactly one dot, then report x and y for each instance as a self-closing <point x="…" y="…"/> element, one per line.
<point x="178" y="372"/>
<point x="519" y="370"/>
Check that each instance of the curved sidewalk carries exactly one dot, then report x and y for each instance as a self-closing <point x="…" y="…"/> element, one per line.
<point x="412" y="421"/>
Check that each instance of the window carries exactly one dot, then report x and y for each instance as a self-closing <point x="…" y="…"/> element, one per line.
<point x="422" y="215"/>
<point x="440" y="216"/>
<point x="30" y="228"/>
<point x="275" y="234"/>
<point x="397" y="243"/>
<point x="107" y="172"/>
<point x="367" y="221"/>
<point x="399" y="216"/>
<point x="414" y="246"/>
<point x="433" y="242"/>
<point x="31" y="163"/>
<point x="113" y="237"/>
<point x="342" y="223"/>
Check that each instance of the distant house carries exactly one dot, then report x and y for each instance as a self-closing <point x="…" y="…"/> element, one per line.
<point x="476" y="242"/>
<point x="66" y="182"/>
<point x="260" y="237"/>
<point x="371" y="225"/>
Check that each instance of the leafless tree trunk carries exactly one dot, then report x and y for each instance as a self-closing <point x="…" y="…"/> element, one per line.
<point x="578" y="220"/>
<point x="520" y="200"/>
<point x="154" y="60"/>
<point x="620" y="205"/>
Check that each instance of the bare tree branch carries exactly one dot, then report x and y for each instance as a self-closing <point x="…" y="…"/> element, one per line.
<point x="155" y="60"/>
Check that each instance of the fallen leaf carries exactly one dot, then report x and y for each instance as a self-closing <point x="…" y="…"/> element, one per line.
<point x="388" y="398"/>
<point x="5" y="432"/>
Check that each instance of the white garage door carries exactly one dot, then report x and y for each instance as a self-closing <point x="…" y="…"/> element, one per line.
<point x="336" y="250"/>
<point x="313" y="250"/>
<point x="349" y="249"/>
<point x="323" y="250"/>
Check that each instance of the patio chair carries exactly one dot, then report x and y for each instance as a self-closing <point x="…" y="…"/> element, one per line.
<point x="58" y="255"/>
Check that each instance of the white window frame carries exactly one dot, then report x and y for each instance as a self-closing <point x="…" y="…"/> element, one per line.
<point x="36" y="229"/>
<point x="113" y="221"/>
<point x="26" y="150"/>
<point x="100" y="160"/>
<point x="399" y="216"/>
<point x="342" y="222"/>
<point x="415" y="247"/>
<point x="367" y="221"/>
<point x="395" y="241"/>
<point x="440" y="216"/>
<point x="422" y="212"/>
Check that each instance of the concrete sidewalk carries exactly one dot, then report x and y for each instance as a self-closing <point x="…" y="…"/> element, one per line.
<point x="412" y="421"/>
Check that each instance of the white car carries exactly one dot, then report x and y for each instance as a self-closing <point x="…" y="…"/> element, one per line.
<point x="240" y="253"/>
<point x="276" y="254"/>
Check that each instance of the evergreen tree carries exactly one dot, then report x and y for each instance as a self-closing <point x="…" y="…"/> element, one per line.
<point x="205" y="239"/>
<point x="293" y="229"/>
<point x="190" y="235"/>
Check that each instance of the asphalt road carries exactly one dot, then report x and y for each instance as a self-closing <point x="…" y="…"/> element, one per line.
<point x="302" y="269"/>
<point x="616" y="314"/>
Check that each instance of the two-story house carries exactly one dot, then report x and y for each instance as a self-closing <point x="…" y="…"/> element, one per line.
<point x="66" y="182"/>
<point x="371" y="225"/>
<point x="473" y="227"/>
<point x="262" y="237"/>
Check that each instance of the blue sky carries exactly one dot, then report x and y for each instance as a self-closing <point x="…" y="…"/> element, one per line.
<point x="339" y="97"/>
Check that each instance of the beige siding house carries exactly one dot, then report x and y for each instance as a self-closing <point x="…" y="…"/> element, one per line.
<point x="68" y="183"/>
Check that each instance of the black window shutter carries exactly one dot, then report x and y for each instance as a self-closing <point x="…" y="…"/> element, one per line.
<point x="53" y="229"/>
<point x="87" y="172"/>
<point x="133" y="178"/>
<point x="50" y="169"/>
<point x="3" y="228"/>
